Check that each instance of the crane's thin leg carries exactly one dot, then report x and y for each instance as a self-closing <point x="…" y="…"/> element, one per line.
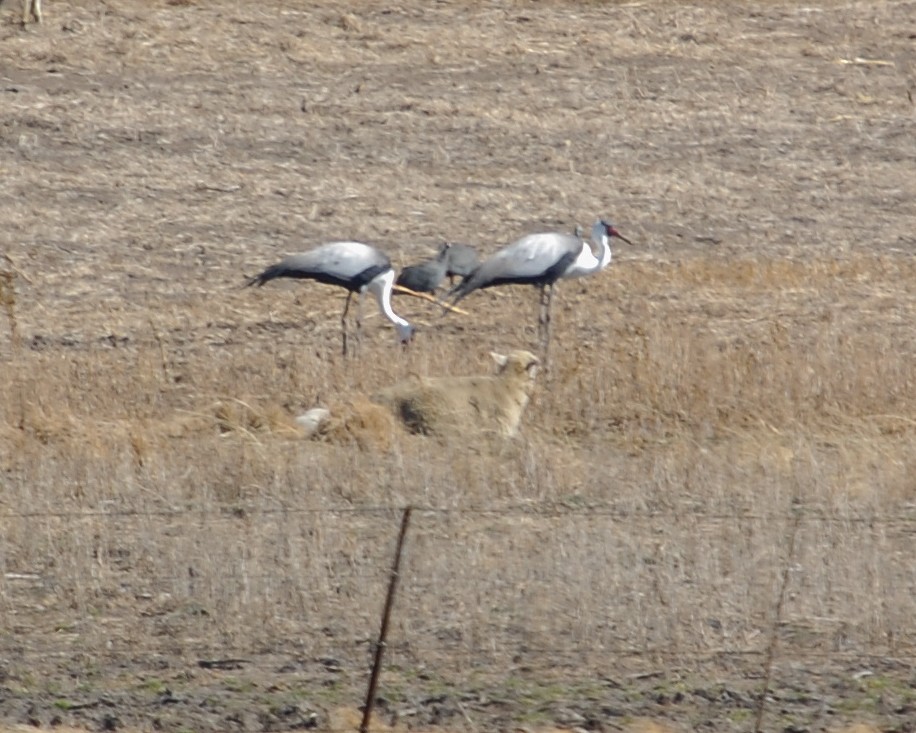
<point x="543" y="313"/>
<point x="546" y="308"/>
<point x="359" y="319"/>
<point x="343" y="322"/>
<point x="549" y="329"/>
<point x="540" y="311"/>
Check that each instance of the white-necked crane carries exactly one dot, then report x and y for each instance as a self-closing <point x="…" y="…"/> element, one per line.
<point x="426" y="277"/>
<point x="462" y="260"/>
<point x="541" y="260"/>
<point x="355" y="266"/>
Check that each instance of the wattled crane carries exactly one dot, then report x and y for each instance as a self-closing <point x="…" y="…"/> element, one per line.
<point x="427" y="276"/>
<point x="358" y="267"/>
<point x="462" y="260"/>
<point x="541" y="260"/>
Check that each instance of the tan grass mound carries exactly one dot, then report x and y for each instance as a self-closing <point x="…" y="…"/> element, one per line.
<point x="464" y="406"/>
<point x="473" y="404"/>
<point x="239" y="415"/>
<point x="359" y="422"/>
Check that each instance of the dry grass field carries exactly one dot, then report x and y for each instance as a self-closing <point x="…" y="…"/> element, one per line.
<point x="713" y="496"/>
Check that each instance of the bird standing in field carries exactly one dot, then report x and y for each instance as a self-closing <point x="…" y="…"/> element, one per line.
<point x="427" y="276"/>
<point x="541" y="260"/>
<point x="355" y="266"/>
<point x="462" y="260"/>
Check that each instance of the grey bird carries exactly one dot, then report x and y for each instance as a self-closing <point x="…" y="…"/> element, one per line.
<point x="427" y="276"/>
<point x="541" y="260"/>
<point x="462" y="260"/>
<point x="358" y="267"/>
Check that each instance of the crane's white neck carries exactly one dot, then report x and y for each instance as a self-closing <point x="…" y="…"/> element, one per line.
<point x="381" y="287"/>
<point x="587" y="263"/>
<point x="603" y="242"/>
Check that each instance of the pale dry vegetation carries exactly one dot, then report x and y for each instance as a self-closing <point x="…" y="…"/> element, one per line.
<point x="491" y="405"/>
<point x="741" y="382"/>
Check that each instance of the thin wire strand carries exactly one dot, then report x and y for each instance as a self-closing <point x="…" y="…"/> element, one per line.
<point x="549" y="510"/>
<point x="238" y="655"/>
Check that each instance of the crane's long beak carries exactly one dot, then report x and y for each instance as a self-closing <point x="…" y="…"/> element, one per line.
<point x="617" y="234"/>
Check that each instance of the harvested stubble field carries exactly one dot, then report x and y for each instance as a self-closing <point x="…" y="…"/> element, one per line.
<point x="719" y="473"/>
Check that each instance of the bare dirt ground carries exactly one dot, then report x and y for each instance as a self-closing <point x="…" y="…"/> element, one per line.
<point x="714" y="496"/>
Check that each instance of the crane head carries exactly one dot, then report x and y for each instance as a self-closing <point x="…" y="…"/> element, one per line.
<point x="610" y="230"/>
<point x="405" y="333"/>
<point x="443" y="251"/>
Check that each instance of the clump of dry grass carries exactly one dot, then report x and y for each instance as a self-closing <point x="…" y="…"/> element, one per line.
<point x="240" y="415"/>
<point x="8" y="301"/>
<point x="360" y="422"/>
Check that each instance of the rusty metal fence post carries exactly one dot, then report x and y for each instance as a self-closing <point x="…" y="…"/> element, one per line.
<point x="386" y="615"/>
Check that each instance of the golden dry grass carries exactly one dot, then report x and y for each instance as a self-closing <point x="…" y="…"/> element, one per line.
<point x="751" y="357"/>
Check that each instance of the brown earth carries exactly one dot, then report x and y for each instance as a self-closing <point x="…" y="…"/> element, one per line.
<point x="713" y="496"/>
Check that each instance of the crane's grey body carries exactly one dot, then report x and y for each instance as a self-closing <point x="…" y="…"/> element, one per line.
<point x="355" y="266"/>
<point x="536" y="259"/>
<point x="350" y="265"/>
<point x="541" y="260"/>
<point x="426" y="277"/>
<point x="462" y="260"/>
